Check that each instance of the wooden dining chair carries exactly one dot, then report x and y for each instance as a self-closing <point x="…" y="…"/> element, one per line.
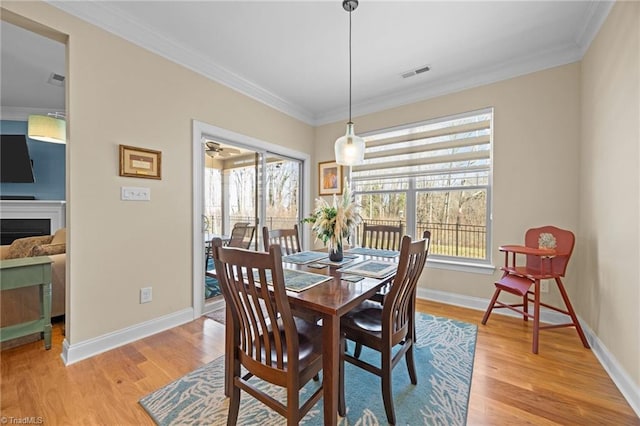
<point x="241" y="235"/>
<point x="380" y="294"/>
<point x="385" y="237"/>
<point x="383" y="327"/>
<point x="523" y="279"/>
<point x="268" y="341"/>
<point x="288" y="239"/>
<point x="289" y="243"/>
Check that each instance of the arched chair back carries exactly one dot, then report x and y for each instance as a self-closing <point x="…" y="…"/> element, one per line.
<point x="381" y="294"/>
<point x="556" y="265"/>
<point x="385" y="237"/>
<point x="288" y="239"/>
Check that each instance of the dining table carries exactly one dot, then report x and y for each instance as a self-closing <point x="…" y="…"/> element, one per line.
<point x="329" y="300"/>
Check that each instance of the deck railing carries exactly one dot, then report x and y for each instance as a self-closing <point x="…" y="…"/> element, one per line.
<point x="447" y="239"/>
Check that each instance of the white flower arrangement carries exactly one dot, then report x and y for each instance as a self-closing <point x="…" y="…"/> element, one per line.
<point x="333" y="223"/>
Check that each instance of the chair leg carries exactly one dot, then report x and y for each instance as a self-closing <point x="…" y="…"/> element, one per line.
<point x="572" y="313"/>
<point x="387" y="394"/>
<point x="293" y="406"/>
<point x="491" y="305"/>
<point x="536" y="315"/>
<point x="234" y="406"/>
<point x="342" y="409"/>
<point x="411" y="366"/>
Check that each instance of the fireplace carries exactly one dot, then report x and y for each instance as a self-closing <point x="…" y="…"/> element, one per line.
<point x="12" y="229"/>
<point x="29" y="218"/>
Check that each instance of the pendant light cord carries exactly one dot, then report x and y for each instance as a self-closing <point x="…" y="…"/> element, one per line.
<point x="349" y="66"/>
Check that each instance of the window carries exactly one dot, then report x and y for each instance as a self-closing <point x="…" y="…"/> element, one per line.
<point x="434" y="175"/>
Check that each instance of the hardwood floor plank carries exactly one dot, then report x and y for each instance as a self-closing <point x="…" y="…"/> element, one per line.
<point x="563" y="385"/>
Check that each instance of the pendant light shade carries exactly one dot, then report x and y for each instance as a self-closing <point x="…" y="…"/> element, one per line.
<point x="47" y="129"/>
<point x="349" y="149"/>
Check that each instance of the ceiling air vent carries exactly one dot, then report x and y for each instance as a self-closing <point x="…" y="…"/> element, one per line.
<point x="416" y="71"/>
<point x="56" y="79"/>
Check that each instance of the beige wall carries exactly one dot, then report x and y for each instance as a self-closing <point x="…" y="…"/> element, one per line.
<point x="609" y="247"/>
<point x="119" y="93"/>
<point x="536" y="140"/>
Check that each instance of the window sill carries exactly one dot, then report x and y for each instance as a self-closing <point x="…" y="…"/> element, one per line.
<point x="453" y="265"/>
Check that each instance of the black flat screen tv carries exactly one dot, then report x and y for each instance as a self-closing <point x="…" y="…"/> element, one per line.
<point x="15" y="163"/>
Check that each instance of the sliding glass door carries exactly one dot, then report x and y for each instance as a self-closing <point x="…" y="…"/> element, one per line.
<point x="245" y="186"/>
<point x="282" y="191"/>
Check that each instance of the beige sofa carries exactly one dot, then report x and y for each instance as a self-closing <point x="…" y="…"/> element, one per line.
<point x="23" y="304"/>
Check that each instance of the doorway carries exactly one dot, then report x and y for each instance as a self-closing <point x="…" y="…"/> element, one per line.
<point x="240" y="181"/>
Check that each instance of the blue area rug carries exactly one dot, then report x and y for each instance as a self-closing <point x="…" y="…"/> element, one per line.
<point x="444" y="362"/>
<point x="211" y="286"/>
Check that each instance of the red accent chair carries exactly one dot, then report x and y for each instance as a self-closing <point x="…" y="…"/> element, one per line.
<point x="524" y="281"/>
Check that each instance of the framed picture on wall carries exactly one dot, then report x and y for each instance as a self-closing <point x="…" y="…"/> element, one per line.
<point x="330" y="178"/>
<point x="140" y="162"/>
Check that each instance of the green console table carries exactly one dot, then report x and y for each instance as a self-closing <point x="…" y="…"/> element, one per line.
<point x="27" y="272"/>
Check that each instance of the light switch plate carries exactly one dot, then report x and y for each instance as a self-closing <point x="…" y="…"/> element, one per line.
<point x="132" y="193"/>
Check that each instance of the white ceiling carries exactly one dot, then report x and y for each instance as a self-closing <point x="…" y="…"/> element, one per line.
<point x="26" y="62"/>
<point x="293" y="55"/>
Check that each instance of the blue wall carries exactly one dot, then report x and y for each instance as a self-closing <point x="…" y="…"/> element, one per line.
<point x="48" y="166"/>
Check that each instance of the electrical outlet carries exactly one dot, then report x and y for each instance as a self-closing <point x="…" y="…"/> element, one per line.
<point x="146" y="295"/>
<point x="544" y="286"/>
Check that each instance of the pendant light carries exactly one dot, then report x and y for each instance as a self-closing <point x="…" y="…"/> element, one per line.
<point x="349" y="148"/>
<point x="47" y="128"/>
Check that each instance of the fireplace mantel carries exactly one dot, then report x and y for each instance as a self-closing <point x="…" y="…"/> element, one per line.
<point x="35" y="209"/>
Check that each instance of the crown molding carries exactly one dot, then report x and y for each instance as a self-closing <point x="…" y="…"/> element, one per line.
<point x="105" y="16"/>
<point x="595" y="17"/>
<point x="462" y="81"/>
<point x="22" y="113"/>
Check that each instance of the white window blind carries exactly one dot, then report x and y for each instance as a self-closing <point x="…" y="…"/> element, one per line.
<point x="449" y="152"/>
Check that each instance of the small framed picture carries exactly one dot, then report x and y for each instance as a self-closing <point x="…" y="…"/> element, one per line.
<point x="330" y="178"/>
<point x="140" y="162"/>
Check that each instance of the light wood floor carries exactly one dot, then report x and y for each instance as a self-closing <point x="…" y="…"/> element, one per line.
<point x="564" y="384"/>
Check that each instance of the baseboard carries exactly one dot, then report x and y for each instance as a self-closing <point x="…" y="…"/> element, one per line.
<point x="88" y="348"/>
<point x="625" y="384"/>
<point x="629" y="389"/>
<point x="546" y="315"/>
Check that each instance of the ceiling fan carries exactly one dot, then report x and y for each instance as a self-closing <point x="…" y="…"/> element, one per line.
<point x="213" y="149"/>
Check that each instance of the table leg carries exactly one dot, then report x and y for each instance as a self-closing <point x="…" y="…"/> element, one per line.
<point x="46" y="312"/>
<point x="330" y="365"/>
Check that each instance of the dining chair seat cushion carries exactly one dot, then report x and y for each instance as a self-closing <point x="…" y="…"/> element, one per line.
<point x="309" y="343"/>
<point x="367" y="316"/>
